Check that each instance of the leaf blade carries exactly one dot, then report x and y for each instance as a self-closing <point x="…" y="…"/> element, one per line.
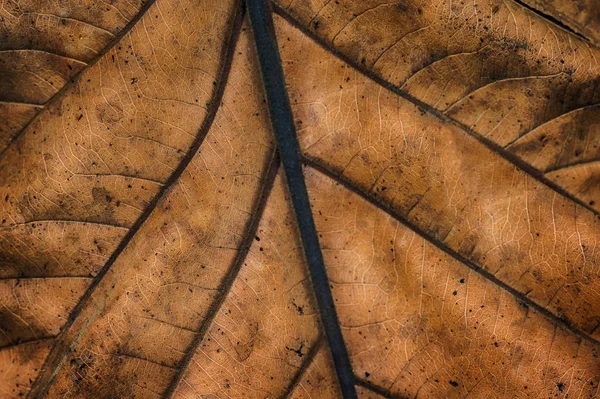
<point x="30" y="31"/>
<point x="453" y="58"/>
<point x="402" y="167"/>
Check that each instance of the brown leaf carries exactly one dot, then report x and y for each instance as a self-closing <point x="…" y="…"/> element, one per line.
<point x="579" y="15"/>
<point x="152" y="246"/>
<point x="43" y="44"/>
<point x="495" y="69"/>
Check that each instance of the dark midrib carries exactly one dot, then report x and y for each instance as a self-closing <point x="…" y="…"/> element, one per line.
<point x="53" y="360"/>
<point x="494" y="147"/>
<point x="75" y="77"/>
<point x="285" y="134"/>
<point x="229" y="279"/>
<point x="444" y="247"/>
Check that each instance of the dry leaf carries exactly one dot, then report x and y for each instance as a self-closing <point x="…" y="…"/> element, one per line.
<point x="149" y="239"/>
<point x="580" y="16"/>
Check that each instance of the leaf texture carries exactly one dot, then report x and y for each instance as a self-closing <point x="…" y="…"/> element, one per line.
<point x="494" y="68"/>
<point x="45" y="44"/>
<point x="579" y="15"/>
<point x="150" y="246"/>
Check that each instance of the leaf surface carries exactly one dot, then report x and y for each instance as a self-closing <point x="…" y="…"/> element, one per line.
<point x="45" y="44"/>
<point x="579" y="15"/>
<point x="495" y="69"/>
<point x="151" y="244"/>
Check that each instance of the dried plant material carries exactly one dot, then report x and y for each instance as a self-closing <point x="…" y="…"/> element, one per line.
<point x="153" y="241"/>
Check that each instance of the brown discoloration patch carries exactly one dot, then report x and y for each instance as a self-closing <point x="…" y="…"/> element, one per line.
<point x="33" y="309"/>
<point x="33" y="77"/>
<point x="13" y="116"/>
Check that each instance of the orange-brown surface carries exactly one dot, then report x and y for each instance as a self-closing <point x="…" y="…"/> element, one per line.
<point x="148" y="243"/>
